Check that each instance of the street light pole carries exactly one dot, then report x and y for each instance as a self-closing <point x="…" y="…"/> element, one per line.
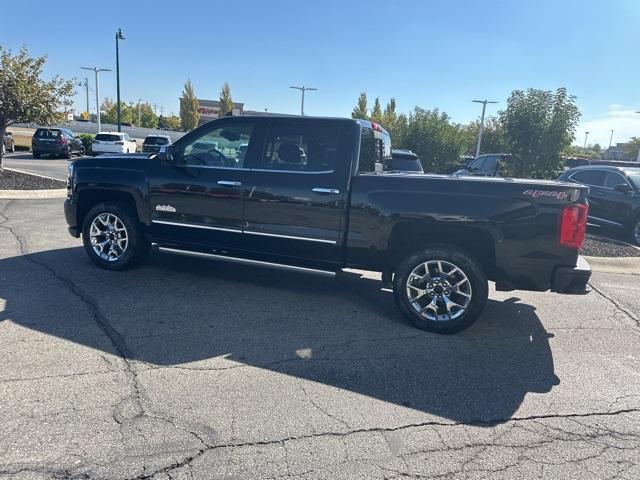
<point x="584" y="148"/>
<point x="303" y="89"/>
<point x="638" y="159"/>
<point x="611" y="139"/>
<point x="484" y="107"/>
<point x="119" y="36"/>
<point x="139" y="100"/>
<point x="96" y="71"/>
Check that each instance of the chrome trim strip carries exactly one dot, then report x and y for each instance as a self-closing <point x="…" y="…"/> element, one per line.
<point x="326" y="172"/>
<point x="290" y="237"/>
<point x="246" y="261"/>
<point x="605" y="221"/>
<point x="192" y="225"/>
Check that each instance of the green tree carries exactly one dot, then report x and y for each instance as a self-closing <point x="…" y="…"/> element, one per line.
<point x="434" y="138"/>
<point x="189" y="114"/>
<point x="172" y="122"/>
<point x="24" y="96"/>
<point x="389" y="116"/>
<point x="360" y="110"/>
<point x="538" y="126"/>
<point x="376" y="112"/>
<point x="631" y="149"/>
<point x="148" y="118"/>
<point x="109" y="114"/>
<point x="226" y="102"/>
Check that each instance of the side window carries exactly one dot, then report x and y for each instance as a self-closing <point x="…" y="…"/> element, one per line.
<point x="223" y="146"/>
<point x="594" y="178"/>
<point x="490" y="164"/>
<point x="613" y="179"/>
<point x="477" y="164"/>
<point x="302" y="147"/>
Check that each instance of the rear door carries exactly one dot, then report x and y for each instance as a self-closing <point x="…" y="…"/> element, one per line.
<point x="296" y="198"/>
<point x="617" y="206"/>
<point x="594" y="179"/>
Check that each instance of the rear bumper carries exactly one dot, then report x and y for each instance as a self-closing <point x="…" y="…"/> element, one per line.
<point x="572" y="280"/>
<point x="55" y="149"/>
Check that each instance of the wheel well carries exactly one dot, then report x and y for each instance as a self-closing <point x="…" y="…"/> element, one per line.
<point x="409" y="237"/>
<point x="90" y="198"/>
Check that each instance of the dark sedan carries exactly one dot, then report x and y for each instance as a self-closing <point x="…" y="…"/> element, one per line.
<point x="614" y="197"/>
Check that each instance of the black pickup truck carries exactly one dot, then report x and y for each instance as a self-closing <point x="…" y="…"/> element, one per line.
<point x="317" y="195"/>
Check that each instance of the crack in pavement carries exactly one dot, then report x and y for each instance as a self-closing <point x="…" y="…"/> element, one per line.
<point x="616" y="304"/>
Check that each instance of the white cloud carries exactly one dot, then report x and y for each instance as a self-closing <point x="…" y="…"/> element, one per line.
<point x="622" y="119"/>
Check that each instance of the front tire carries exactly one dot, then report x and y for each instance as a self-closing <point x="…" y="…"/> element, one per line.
<point x="113" y="237"/>
<point x="441" y="289"/>
<point x="36" y="154"/>
<point x="635" y="232"/>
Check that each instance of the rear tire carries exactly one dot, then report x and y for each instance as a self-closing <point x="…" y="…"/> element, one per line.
<point x="441" y="289"/>
<point x="36" y="154"/>
<point x="113" y="236"/>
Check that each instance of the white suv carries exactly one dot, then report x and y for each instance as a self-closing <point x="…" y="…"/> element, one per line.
<point x="113" y="142"/>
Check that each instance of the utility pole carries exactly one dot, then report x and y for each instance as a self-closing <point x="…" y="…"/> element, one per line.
<point x="85" y="84"/>
<point x="584" y="148"/>
<point x="638" y="159"/>
<point x="610" y="138"/>
<point x="139" y="100"/>
<point x="303" y="89"/>
<point x="119" y="36"/>
<point x="96" y="71"/>
<point x="155" y="109"/>
<point x="484" y="107"/>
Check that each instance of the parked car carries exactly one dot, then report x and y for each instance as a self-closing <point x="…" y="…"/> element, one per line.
<point x="60" y="142"/>
<point x="8" y="143"/>
<point x="153" y="143"/>
<point x="405" y="161"/>
<point x="311" y="195"/>
<point x="614" y="196"/>
<point x="488" y="165"/>
<point x="113" y="142"/>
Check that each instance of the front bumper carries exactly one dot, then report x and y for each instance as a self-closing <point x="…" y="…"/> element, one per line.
<point x="70" y="215"/>
<point x="572" y="280"/>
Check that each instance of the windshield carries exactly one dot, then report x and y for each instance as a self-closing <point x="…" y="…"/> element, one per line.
<point x="108" y="137"/>
<point x="634" y="176"/>
<point x="156" y="141"/>
<point x="48" y="133"/>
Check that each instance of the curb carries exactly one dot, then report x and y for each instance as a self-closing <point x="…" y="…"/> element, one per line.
<point x="29" y="194"/>
<point x="625" y="265"/>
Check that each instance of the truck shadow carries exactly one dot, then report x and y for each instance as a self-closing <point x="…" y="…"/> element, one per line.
<point x="345" y="332"/>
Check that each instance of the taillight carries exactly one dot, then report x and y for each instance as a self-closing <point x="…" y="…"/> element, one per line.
<point x="573" y="225"/>
<point x="376" y="127"/>
<point x="63" y="141"/>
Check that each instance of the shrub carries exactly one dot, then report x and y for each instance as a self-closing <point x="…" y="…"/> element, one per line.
<point x="87" y="140"/>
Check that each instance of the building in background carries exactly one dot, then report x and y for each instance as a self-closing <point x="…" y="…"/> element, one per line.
<point x="209" y="110"/>
<point x="614" y="153"/>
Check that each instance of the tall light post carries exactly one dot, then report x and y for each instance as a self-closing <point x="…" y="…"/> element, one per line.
<point x="139" y="100"/>
<point x="484" y="107"/>
<point x="584" y="148"/>
<point x="119" y="37"/>
<point x="96" y="71"/>
<point x="85" y="84"/>
<point x="611" y="139"/>
<point x="303" y="89"/>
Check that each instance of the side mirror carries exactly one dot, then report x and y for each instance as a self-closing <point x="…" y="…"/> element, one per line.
<point x="623" y="188"/>
<point x="167" y="154"/>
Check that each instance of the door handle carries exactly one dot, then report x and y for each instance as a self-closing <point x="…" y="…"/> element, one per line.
<point x="332" y="191"/>
<point x="228" y="183"/>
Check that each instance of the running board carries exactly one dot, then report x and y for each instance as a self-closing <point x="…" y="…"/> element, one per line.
<point x="246" y="261"/>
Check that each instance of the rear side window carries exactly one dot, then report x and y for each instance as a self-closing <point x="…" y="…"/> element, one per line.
<point x="108" y="137"/>
<point x="48" y="133"/>
<point x="594" y="178"/>
<point x="303" y="147"/>
<point x="375" y="147"/>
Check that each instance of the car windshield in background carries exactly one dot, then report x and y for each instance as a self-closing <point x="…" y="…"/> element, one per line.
<point x="106" y="137"/>
<point x="634" y="176"/>
<point x="48" y="133"/>
<point x="156" y="141"/>
<point x="406" y="164"/>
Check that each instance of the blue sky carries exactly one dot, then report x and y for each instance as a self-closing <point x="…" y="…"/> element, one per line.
<point x="431" y="54"/>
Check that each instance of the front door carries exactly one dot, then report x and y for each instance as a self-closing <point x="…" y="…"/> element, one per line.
<point x="296" y="198"/>
<point x="197" y="198"/>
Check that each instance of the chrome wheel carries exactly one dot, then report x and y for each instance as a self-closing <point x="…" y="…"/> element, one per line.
<point x="438" y="290"/>
<point x="108" y="237"/>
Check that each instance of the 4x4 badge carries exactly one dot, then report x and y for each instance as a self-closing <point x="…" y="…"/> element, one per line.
<point x="165" y="208"/>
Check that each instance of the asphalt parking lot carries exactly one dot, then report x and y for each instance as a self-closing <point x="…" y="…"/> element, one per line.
<point x="47" y="166"/>
<point x="191" y="369"/>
